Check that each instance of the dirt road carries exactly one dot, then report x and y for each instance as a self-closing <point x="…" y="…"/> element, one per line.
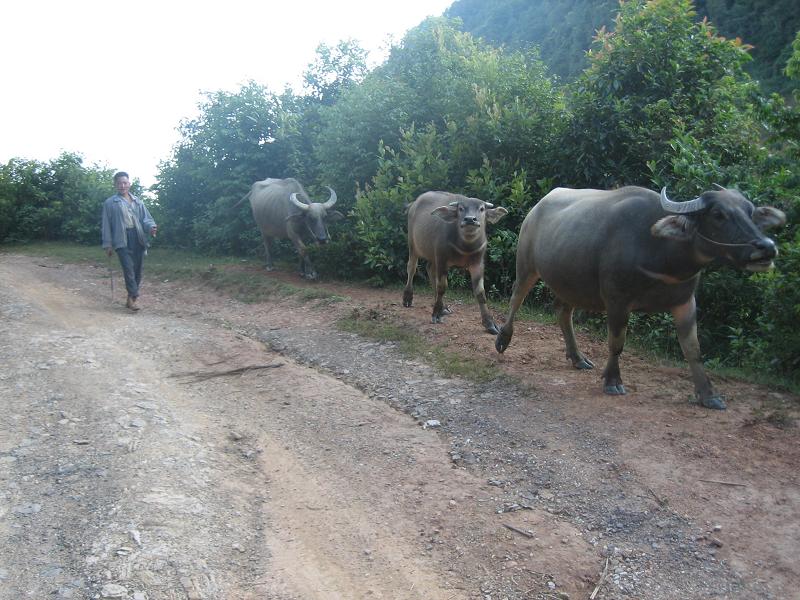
<point x="206" y="448"/>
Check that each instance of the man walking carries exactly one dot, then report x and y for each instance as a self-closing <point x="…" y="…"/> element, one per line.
<point x="125" y="221"/>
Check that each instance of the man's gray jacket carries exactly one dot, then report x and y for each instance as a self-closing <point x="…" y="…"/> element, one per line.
<point x="113" y="228"/>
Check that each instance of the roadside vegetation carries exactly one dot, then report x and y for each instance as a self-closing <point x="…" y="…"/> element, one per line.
<point x="234" y="276"/>
<point x="663" y="100"/>
<point x="374" y="325"/>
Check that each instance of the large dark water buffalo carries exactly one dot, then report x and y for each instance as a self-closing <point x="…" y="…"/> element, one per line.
<point x="282" y="209"/>
<point x="630" y="250"/>
<point x="449" y="230"/>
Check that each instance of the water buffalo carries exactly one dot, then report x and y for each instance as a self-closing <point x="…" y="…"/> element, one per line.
<point x="282" y="209"/>
<point x="449" y="230"/>
<point x="630" y="250"/>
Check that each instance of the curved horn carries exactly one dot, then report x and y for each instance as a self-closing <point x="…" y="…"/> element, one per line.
<point x="488" y="204"/>
<point x="719" y="187"/>
<point x="293" y="199"/>
<point x="681" y="208"/>
<point x="330" y="201"/>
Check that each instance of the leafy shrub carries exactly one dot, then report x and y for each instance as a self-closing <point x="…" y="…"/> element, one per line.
<point x="56" y="200"/>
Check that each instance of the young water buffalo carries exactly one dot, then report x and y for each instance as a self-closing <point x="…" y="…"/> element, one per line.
<point x="449" y="230"/>
<point x="631" y="250"/>
<point x="282" y="209"/>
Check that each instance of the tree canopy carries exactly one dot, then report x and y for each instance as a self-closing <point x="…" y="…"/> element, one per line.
<point x="564" y="29"/>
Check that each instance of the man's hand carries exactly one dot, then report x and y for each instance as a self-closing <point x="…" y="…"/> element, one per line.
<point x="109" y="251"/>
<point x="154" y="230"/>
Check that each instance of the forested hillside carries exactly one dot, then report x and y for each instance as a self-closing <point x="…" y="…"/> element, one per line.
<point x="563" y="29"/>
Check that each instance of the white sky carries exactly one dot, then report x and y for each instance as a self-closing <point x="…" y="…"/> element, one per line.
<point x="112" y="80"/>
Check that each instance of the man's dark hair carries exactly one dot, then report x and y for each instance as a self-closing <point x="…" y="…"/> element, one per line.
<point x="119" y="174"/>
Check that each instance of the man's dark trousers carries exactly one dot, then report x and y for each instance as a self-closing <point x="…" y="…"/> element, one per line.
<point x="131" y="259"/>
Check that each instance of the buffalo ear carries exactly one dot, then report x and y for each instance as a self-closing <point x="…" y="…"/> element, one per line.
<point x="446" y="213"/>
<point x="493" y="215"/>
<point x="766" y="217"/>
<point x="674" y="227"/>
<point x="334" y="215"/>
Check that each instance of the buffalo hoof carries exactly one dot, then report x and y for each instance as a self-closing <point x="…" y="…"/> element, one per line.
<point x="269" y="268"/>
<point x="713" y="402"/>
<point x="407" y="299"/>
<point x="614" y="390"/>
<point x="437" y="319"/>
<point x="581" y="362"/>
<point x="502" y="341"/>
<point x="492" y="328"/>
<point x="446" y="311"/>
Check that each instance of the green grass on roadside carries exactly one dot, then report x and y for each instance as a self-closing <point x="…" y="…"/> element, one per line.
<point x="59" y="252"/>
<point x="373" y="325"/>
<point x="250" y="286"/>
<point x="240" y="278"/>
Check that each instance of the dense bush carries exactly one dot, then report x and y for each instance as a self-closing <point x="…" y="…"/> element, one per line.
<point x="462" y="117"/>
<point x="221" y="153"/>
<point x="56" y="200"/>
<point x="663" y="98"/>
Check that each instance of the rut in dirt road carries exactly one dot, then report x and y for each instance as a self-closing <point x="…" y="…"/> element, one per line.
<point x="344" y="470"/>
<point x="124" y="480"/>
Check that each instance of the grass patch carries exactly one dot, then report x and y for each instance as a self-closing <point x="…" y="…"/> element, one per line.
<point x="245" y="287"/>
<point x="60" y="252"/>
<point x="234" y="276"/>
<point x="373" y="325"/>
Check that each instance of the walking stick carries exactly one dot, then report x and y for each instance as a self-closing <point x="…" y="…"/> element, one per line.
<point x="111" y="274"/>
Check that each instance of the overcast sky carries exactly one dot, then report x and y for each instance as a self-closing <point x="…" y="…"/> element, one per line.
<point x="111" y="81"/>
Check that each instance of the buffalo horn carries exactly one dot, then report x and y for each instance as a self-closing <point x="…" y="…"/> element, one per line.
<point x="681" y="208"/>
<point x="302" y="206"/>
<point x="488" y="204"/>
<point x="330" y="201"/>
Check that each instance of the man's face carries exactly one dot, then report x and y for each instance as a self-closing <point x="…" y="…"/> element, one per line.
<point x="122" y="184"/>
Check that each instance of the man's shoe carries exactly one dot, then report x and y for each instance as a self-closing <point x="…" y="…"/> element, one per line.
<point x="131" y="304"/>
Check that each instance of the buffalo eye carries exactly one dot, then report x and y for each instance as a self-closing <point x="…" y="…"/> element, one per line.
<point x="718" y="215"/>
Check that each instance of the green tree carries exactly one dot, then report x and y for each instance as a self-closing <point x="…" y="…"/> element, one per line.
<point x="503" y="105"/>
<point x="443" y="108"/>
<point x="563" y="29"/>
<point x="793" y="64"/>
<point x="663" y="95"/>
<point x="335" y="70"/>
<point x="221" y="153"/>
<point x="55" y="200"/>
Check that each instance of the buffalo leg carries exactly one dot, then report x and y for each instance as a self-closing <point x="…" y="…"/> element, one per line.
<point x="520" y="289"/>
<point x="685" y="317"/>
<point x="617" y="330"/>
<point x="476" y="274"/>
<point x="579" y="361"/>
<point x="306" y="268"/>
<point x="267" y="244"/>
<point x="440" y="287"/>
<point x="432" y="281"/>
<point x="309" y="272"/>
<point x="411" y="270"/>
